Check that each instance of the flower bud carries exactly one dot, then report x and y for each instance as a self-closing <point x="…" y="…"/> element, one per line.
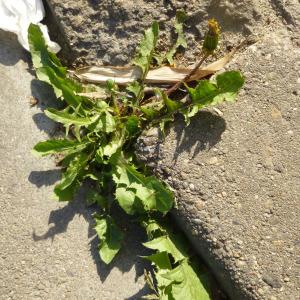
<point x="212" y="36"/>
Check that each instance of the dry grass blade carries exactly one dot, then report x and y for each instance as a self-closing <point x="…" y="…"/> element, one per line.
<point x="163" y="75"/>
<point x="93" y="95"/>
<point x="100" y="74"/>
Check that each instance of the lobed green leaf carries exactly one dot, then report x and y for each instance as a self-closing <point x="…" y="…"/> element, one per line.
<point x="160" y="259"/>
<point x="47" y="65"/>
<point x="40" y="55"/>
<point x="164" y="243"/>
<point x="185" y="283"/>
<point x="58" y="146"/>
<point x="176" y="278"/>
<point x="68" y="193"/>
<point x="148" y="191"/>
<point x="110" y="237"/>
<point x="146" y="48"/>
<point x="225" y="88"/>
<point x="181" y="41"/>
<point x="70" y="177"/>
<point x="68" y="119"/>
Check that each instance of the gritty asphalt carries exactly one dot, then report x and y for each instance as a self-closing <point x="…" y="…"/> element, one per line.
<point x="235" y="172"/>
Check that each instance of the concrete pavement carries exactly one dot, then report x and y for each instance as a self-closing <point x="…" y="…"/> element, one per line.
<point x="48" y="250"/>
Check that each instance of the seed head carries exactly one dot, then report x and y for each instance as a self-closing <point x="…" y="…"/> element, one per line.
<point x="212" y="36"/>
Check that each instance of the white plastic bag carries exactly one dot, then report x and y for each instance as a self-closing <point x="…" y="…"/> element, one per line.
<point x="16" y="16"/>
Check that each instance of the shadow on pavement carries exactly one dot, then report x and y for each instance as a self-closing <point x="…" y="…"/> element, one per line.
<point x="10" y="50"/>
<point x="44" y="178"/>
<point x="144" y="291"/>
<point x="61" y="217"/>
<point x="45" y="97"/>
<point x="204" y="131"/>
<point x="129" y="255"/>
<point x="44" y="93"/>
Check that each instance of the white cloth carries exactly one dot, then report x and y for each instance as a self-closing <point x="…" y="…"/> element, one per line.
<point x="16" y="16"/>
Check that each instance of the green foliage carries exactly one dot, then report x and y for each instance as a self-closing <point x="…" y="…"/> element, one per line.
<point x="177" y="277"/>
<point x="183" y="282"/>
<point x="64" y="191"/>
<point x="58" y="146"/>
<point x="168" y="56"/>
<point x="211" y="92"/>
<point x="137" y="193"/>
<point x="99" y="145"/>
<point x="224" y="88"/>
<point x="68" y="119"/>
<point x="47" y="65"/>
<point x="110" y="237"/>
<point x="165" y="244"/>
<point x="180" y="19"/>
<point x="146" y="48"/>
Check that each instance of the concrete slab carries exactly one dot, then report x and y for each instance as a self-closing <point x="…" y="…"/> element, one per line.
<point x="47" y="250"/>
<point x="96" y="31"/>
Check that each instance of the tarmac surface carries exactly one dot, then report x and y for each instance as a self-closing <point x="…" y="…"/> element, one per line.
<point x="235" y="172"/>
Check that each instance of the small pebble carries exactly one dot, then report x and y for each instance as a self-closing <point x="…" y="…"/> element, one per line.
<point x="33" y="101"/>
<point x="199" y="205"/>
<point x="213" y="161"/>
<point x="197" y="221"/>
<point x="271" y="281"/>
<point x="260" y="291"/>
<point x="240" y="263"/>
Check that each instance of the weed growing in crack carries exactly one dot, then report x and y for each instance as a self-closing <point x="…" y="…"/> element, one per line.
<point x="102" y="126"/>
